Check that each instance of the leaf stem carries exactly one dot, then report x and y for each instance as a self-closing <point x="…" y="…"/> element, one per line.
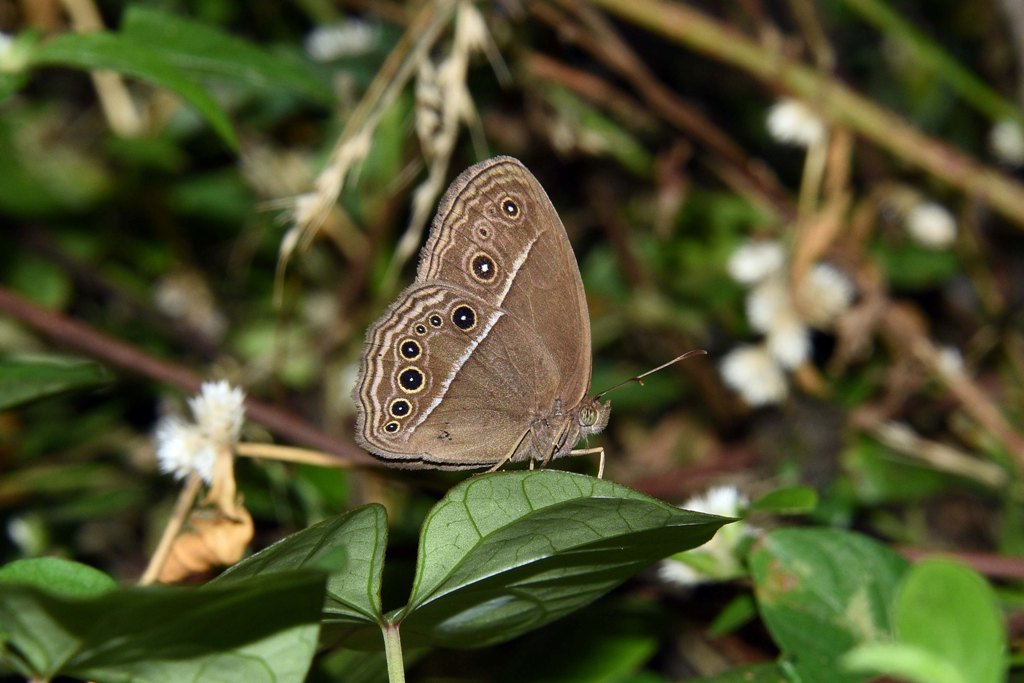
<point x="393" y="653"/>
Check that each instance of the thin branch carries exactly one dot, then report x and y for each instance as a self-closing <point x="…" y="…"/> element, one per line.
<point x="989" y="564"/>
<point x="605" y="44"/>
<point x="72" y="334"/>
<point x="839" y="103"/>
<point x="113" y="95"/>
<point x="302" y="456"/>
<point x="181" y="509"/>
<point x="905" y="330"/>
<point x="939" y="456"/>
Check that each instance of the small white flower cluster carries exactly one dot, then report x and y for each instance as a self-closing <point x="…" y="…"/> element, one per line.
<point x="792" y="122"/>
<point x="349" y="39"/>
<point x="185" y="447"/>
<point x="718" y="559"/>
<point x="931" y="225"/>
<point x="783" y="315"/>
<point x="1006" y="140"/>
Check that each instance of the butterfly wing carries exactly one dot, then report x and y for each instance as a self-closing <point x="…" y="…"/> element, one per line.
<point x="498" y="211"/>
<point x="499" y="318"/>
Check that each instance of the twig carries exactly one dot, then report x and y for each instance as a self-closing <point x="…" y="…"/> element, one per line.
<point x="607" y="46"/>
<point x="1014" y="11"/>
<point x="181" y="509"/>
<point x="834" y="100"/>
<point x="115" y="101"/>
<point x="37" y="238"/>
<point x="270" y="451"/>
<point x="356" y="138"/>
<point x="906" y="331"/>
<point x="938" y="456"/>
<point x="67" y="332"/>
<point x="814" y="33"/>
<point x="989" y="564"/>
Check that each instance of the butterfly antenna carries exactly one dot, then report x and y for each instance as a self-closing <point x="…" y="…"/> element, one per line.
<point x="639" y="379"/>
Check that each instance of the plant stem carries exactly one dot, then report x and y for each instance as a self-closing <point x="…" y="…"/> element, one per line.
<point x="836" y="101"/>
<point x="939" y="62"/>
<point x="304" y="456"/>
<point x="181" y="509"/>
<point x="393" y="653"/>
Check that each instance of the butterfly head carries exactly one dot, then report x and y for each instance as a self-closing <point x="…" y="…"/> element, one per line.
<point x="592" y="416"/>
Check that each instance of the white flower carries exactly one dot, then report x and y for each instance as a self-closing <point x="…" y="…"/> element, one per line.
<point x="792" y="122"/>
<point x="931" y="225"/>
<point x="950" y="361"/>
<point x="219" y="410"/>
<point x="1006" y="140"/>
<point x="349" y="39"/>
<point x="753" y="373"/>
<point x="768" y="302"/>
<point x="677" y="573"/>
<point x="724" y="501"/>
<point x="823" y="295"/>
<point x="789" y="340"/>
<point x="185" y="447"/>
<point x="182" y="449"/>
<point x="719" y="558"/>
<point x="29" y="533"/>
<point x="755" y="260"/>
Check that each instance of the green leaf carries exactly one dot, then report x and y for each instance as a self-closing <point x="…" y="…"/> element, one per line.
<point x="795" y="500"/>
<point x="28" y="378"/>
<point x="907" y="662"/>
<point x="263" y="629"/>
<point x="966" y="631"/>
<point x="505" y="553"/>
<point x="739" y="612"/>
<point x="881" y="475"/>
<point x="198" y="47"/>
<point x="59" y="576"/>
<point x="822" y="592"/>
<point x="350" y="547"/>
<point x="134" y="58"/>
<point x="914" y="267"/>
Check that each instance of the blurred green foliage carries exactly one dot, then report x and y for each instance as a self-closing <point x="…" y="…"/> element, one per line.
<point x="164" y="231"/>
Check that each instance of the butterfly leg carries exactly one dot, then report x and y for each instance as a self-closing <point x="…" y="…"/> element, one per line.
<point x="511" y="454"/>
<point x="590" y="451"/>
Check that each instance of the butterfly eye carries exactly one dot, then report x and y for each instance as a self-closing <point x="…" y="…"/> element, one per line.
<point x="587" y="416"/>
<point x="510" y="208"/>
<point x="483" y="267"/>
<point x="464" y="318"/>
<point x="420" y="329"/>
<point x="392" y="427"/>
<point x="435" y="320"/>
<point x="410" y="348"/>
<point x="411" y="380"/>
<point x="400" y="408"/>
